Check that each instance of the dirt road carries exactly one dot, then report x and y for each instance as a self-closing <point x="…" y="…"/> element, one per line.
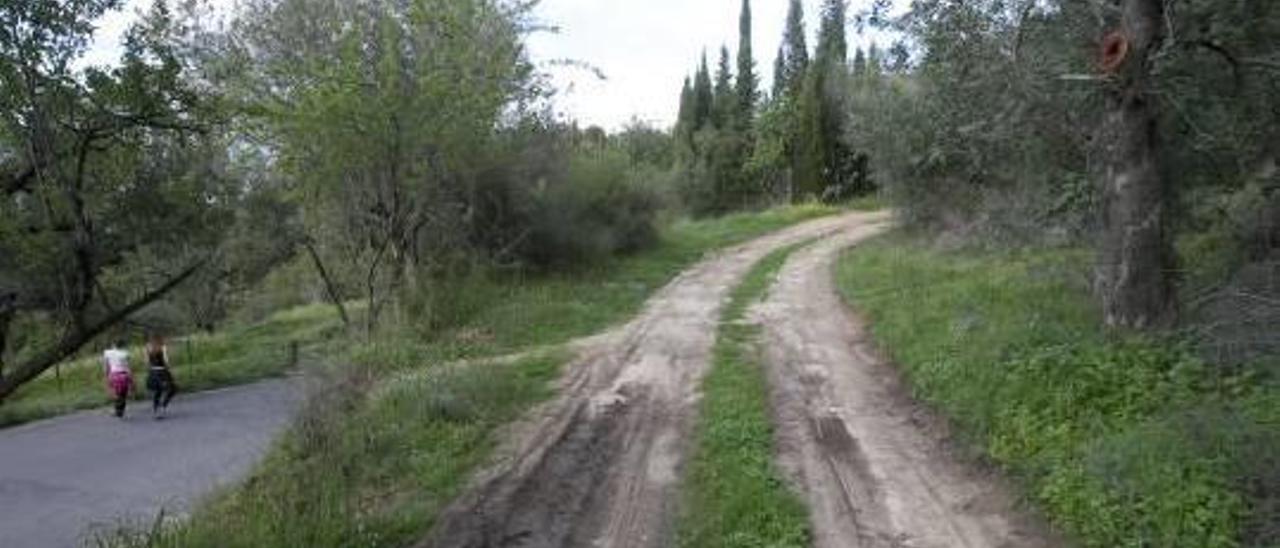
<point x="61" y="477"/>
<point x="599" y="465"/>
<point x="871" y="464"/>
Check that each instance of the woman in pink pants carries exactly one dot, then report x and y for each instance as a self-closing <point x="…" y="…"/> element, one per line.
<point x="115" y="363"/>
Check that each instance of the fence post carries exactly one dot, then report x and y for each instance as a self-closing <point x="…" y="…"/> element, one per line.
<point x="293" y="353"/>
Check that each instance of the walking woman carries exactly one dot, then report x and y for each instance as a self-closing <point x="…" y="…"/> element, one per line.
<point x="115" y="362"/>
<point x="159" y="377"/>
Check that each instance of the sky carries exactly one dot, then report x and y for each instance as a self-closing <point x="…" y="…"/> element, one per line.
<point x="645" y="48"/>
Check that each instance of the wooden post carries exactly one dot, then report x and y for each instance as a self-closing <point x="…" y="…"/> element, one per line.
<point x="293" y="353"/>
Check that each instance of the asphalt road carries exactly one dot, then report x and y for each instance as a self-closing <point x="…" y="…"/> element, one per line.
<point x="62" y="478"/>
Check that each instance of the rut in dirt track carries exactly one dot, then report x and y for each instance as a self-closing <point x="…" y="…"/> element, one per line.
<point x="599" y="464"/>
<point x="872" y="465"/>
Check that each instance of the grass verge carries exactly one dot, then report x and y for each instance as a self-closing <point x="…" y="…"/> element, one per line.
<point x="238" y="355"/>
<point x="1123" y="441"/>
<point x="734" y="497"/>
<point x="396" y="436"/>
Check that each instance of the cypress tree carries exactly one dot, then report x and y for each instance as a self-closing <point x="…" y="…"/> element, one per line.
<point x="780" y="73"/>
<point x="820" y="153"/>
<point x="796" y="49"/>
<point x="833" y="48"/>
<point x="702" y="95"/>
<point x="685" y="119"/>
<point x="725" y="101"/>
<point x="748" y="83"/>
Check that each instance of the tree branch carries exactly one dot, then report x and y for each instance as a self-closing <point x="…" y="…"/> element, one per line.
<point x="74" y="339"/>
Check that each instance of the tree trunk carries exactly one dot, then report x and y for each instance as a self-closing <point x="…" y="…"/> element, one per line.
<point x="330" y="289"/>
<point x="1134" y="271"/>
<point x="8" y="308"/>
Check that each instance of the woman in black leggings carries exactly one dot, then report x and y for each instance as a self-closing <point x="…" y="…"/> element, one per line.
<point x="159" y="378"/>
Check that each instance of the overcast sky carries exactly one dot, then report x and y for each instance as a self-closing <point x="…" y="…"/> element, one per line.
<point x="644" y="47"/>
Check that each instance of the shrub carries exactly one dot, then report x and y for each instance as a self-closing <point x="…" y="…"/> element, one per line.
<point x="598" y="208"/>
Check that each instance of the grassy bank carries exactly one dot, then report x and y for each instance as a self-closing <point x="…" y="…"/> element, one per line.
<point x="396" y="435"/>
<point x="237" y="355"/>
<point x="1122" y="441"/>
<point x="733" y="494"/>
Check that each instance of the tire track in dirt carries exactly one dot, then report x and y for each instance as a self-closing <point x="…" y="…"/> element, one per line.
<point x="872" y="465"/>
<point x="599" y="465"/>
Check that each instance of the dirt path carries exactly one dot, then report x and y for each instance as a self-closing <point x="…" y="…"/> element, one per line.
<point x="599" y="465"/>
<point x="61" y="477"/>
<point x="869" y="462"/>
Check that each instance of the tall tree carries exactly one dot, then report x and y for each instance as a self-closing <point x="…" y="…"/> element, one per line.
<point x="725" y="102"/>
<point x="795" y="49"/>
<point x="747" y="86"/>
<point x="703" y="95"/>
<point x="779" y="73"/>
<point x="685" y="121"/>
<point x="822" y="161"/>
<point x="110" y="195"/>
<point x="1133" y="272"/>
<point x="833" y="46"/>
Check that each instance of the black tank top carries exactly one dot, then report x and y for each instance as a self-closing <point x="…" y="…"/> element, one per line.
<point x="157" y="360"/>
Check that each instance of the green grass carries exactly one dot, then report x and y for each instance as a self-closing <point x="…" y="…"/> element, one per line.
<point x="869" y="202"/>
<point x="1122" y="441"/>
<point x="237" y="355"/>
<point x="396" y="435"/>
<point x="733" y="495"/>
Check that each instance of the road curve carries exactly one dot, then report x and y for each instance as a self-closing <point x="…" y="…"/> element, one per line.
<point x="599" y="465"/>
<point x="62" y="478"/>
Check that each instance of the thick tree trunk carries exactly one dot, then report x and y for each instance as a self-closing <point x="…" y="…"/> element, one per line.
<point x="1134" y="272"/>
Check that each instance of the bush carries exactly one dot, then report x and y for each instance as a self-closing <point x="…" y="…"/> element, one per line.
<point x="598" y="208"/>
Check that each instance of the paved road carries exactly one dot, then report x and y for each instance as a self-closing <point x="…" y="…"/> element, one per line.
<point x="62" y="477"/>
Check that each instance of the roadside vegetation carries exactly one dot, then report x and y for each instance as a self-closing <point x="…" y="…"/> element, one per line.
<point x="733" y="492"/>
<point x="393" y="432"/>
<point x="1123" y="440"/>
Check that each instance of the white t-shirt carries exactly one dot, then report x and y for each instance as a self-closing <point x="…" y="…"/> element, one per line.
<point x="116" y="360"/>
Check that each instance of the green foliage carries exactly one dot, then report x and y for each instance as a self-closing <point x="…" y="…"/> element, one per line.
<point x="734" y="496"/>
<point x="793" y="54"/>
<point x="384" y="124"/>
<point x="111" y="187"/>
<point x="747" y="85"/>
<point x="1123" y="442"/>
<point x="599" y="210"/>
